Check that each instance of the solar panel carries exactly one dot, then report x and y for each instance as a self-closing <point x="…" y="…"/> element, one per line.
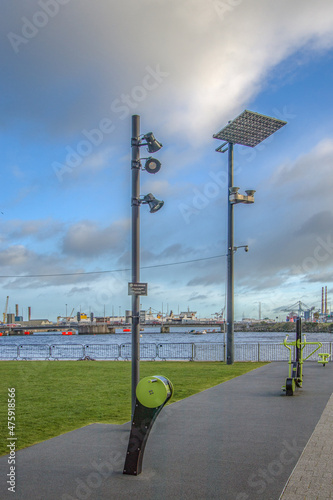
<point x="249" y="129"/>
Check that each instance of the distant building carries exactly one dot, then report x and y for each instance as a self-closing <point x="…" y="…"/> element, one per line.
<point x="187" y="316"/>
<point x="36" y="322"/>
<point x="10" y="318"/>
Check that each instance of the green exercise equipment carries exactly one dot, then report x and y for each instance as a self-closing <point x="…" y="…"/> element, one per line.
<point x="295" y="375"/>
<point x="152" y="393"/>
<point x="323" y="357"/>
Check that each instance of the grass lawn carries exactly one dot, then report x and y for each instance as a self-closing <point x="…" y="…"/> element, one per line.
<point x="56" y="397"/>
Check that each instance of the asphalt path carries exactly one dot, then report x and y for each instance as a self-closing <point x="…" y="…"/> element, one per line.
<point x="239" y="440"/>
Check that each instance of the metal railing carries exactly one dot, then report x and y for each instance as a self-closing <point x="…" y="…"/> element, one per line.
<point x="250" y="351"/>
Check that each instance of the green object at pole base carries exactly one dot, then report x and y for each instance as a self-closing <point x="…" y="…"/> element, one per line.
<point x="152" y="393"/>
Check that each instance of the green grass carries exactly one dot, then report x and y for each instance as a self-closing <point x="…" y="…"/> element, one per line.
<point x="56" y="397"/>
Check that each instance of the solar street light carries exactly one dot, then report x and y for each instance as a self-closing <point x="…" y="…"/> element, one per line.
<point x="247" y="129"/>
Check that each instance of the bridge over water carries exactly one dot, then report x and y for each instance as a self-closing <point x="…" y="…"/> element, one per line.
<point x="83" y="329"/>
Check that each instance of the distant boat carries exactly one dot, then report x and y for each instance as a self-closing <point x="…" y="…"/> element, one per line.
<point x="198" y="332"/>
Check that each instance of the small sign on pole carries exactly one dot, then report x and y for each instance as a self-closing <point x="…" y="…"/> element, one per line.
<point x="137" y="288"/>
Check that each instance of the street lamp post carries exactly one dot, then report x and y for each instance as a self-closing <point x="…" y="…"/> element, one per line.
<point x="152" y="166"/>
<point x="135" y="253"/>
<point x="247" y="129"/>
<point x="230" y="259"/>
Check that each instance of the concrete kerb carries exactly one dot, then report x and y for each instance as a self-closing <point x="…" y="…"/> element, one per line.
<point x="301" y="481"/>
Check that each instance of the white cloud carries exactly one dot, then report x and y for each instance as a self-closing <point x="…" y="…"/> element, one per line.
<point x="85" y="239"/>
<point x="90" y="62"/>
<point x="215" y="64"/>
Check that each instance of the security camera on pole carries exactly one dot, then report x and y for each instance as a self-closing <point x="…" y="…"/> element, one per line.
<point x="135" y="287"/>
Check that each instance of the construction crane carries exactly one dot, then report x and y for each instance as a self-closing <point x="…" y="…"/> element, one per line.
<point x="5" y="311"/>
<point x="71" y="315"/>
<point x="66" y="318"/>
<point x="298" y="306"/>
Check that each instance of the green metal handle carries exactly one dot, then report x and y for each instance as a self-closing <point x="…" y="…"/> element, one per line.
<point x="319" y="344"/>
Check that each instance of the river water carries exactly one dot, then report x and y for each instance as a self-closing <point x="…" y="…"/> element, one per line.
<point x="153" y="335"/>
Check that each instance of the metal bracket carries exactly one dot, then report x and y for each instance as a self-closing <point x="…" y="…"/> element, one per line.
<point x="220" y="148"/>
<point x="235" y="198"/>
<point x="136" y="164"/>
<point x="136" y="202"/>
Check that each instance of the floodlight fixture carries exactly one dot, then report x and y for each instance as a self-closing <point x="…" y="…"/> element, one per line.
<point x="249" y="129"/>
<point x="152" y="166"/>
<point x="154" y="203"/>
<point x="250" y="192"/>
<point x="152" y="143"/>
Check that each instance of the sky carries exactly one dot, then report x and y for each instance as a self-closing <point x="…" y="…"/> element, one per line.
<point x="73" y="72"/>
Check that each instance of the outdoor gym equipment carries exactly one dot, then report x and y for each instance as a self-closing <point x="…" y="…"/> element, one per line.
<point x="152" y="393"/>
<point x="323" y="357"/>
<point x="295" y="376"/>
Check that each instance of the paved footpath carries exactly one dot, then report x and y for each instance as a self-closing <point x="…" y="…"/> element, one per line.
<point x="312" y="478"/>
<point x="240" y="440"/>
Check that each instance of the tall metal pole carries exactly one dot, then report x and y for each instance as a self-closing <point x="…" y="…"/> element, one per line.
<point x="135" y="255"/>
<point x="230" y="288"/>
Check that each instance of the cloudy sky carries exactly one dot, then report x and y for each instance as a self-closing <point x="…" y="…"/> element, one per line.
<point x="73" y="72"/>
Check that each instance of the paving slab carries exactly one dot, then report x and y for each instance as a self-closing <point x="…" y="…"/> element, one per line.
<point x="239" y="440"/>
<point x="312" y="477"/>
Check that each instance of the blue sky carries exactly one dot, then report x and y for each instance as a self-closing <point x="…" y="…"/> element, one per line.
<point x="73" y="73"/>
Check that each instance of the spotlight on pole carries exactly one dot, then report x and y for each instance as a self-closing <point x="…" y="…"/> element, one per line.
<point x="152" y="166"/>
<point x="152" y="143"/>
<point x="153" y="203"/>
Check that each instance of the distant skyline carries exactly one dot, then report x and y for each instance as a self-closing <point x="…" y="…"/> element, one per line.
<point x="74" y="72"/>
